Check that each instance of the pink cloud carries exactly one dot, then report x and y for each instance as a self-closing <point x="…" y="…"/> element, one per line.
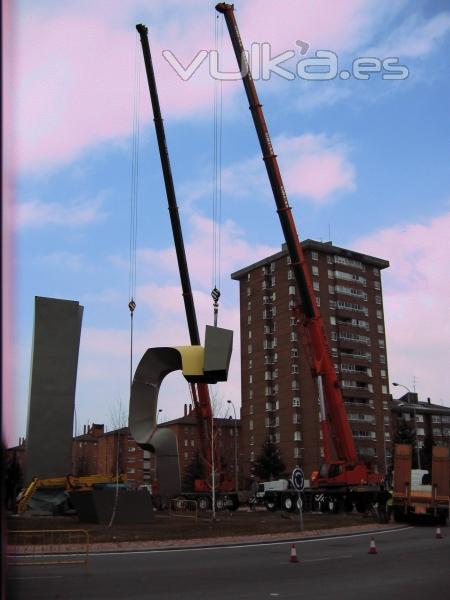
<point x="315" y="166"/>
<point x="234" y="251"/>
<point x="76" y="91"/>
<point x="74" y="66"/>
<point x="326" y="24"/>
<point x="416" y="292"/>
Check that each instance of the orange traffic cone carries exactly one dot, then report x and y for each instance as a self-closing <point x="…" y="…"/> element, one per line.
<point x="372" y="547"/>
<point x="293" y="558"/>
<point x="438" y="533"/>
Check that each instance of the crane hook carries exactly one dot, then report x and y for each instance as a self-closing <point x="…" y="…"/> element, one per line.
<point x="215" y="296"/>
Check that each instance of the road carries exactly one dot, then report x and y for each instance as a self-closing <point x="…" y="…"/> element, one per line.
<point x="410" y="563"/>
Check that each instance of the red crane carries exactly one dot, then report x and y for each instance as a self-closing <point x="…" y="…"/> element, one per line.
<point x="346" y="470"/>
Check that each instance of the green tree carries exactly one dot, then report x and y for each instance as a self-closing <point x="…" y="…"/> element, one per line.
<point x="426" y="452"/>
<point x="406" y="434"/>
<point x="269" y="464"/>
<point x="193" y="470"/>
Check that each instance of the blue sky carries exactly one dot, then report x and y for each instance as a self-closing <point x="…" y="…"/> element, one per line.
<point x="364" y="162"/>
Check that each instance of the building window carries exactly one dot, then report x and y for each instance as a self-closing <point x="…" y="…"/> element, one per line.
<point x="249" y="291"/>
<point x="376" y="285"/>
<point x="297" y="436"/>
<point x="296" y="401"/>
<point x="290" y="274"/>
<point x="378" y="299"/>
<point x="248" y="276"/>
<point x="249" y="349"/>
<point x="297" y="452"/>
<point x="252" y="456"/>
<point x="383" y="373"/>
<point x="250" y="378"/>
<point x="250" y="424"/>
<point x="294" y="352"/>
<point x="292" y="290"/>
<point x="381" y="343"/>
<point x="294" y="369"/>
<point x="249" y="334"/>
<point x="249" y="320"/>
<point x="376" y="272"/>
<point x="329" y="259"/>
<point x="315" y="270"/>
<point x="314" y="256"/>
<point x="318" y="300"/>
<point x="250" y="394"/>
<point x="295" y="385"/>
<point x="193" y="441"/>
<point x="186" y="443"/>
<point x="380" y="328"/>
<point x="130" y="449"/>
<point x="249" y="305"/>
<point x="379" y="314"/>
<point x="295" y="418"/>
<point x="316" y="286"/>
<point x="250" y="364"/>
<point x="382" y="359"/>
<point x="333" y="320"/>
<point x="294" y="336"/>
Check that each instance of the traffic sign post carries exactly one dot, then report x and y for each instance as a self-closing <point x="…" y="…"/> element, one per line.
<point x="298" y="481"/>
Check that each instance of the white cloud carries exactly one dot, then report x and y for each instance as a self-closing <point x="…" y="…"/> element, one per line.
<point x="36" y="213"/>
<point x="415" y="38"/>
<point x="62" y="260"/>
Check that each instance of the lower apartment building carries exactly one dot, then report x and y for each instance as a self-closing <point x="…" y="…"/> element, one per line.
<point x="279" y="396"/>
<point x="97" y="451"/>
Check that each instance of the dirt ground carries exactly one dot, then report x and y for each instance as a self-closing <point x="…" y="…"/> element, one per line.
<point x="169" y="527"/>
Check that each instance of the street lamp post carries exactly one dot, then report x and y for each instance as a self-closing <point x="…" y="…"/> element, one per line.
<point x="415" y="421"/>
<point x="235" y="447"/>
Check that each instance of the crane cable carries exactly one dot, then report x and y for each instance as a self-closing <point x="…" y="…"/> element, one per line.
<point x="134" y="198"/>
<point x="217" y="176"/>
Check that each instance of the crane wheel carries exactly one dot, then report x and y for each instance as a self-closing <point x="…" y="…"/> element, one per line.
<point x="288" y="503"/>
<point x="204" y="503"/>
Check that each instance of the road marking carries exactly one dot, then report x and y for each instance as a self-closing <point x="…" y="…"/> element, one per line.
<point x="305" y="560"/>
<point x="247" y="545"/>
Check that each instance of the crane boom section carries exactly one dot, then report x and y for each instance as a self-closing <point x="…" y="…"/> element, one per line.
<point x="200" y="393"/>
<point x="322" y="364"/>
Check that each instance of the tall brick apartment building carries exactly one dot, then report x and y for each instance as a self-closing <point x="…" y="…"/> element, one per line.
<point x="279" y="397"/>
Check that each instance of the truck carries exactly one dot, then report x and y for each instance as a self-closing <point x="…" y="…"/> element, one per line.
<point x="344" y="479"/>
<point x="418" y="493"/>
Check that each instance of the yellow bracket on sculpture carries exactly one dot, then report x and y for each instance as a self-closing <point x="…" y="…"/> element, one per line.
<point x="192" y="360"/>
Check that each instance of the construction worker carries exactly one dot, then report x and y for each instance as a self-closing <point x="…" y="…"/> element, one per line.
<point x="389" y="505"/>
<point x="382" y="497"/>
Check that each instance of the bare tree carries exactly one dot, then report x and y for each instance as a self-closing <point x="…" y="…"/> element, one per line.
<point x="118" y="421"/>
<point x="218" y="404"/>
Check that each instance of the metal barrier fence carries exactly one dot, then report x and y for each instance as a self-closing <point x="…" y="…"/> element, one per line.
<point x="181" y="507"/>
<point x="48" y="547"/>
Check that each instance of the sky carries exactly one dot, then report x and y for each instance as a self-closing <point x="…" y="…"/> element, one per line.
<point x="364" y="157"/>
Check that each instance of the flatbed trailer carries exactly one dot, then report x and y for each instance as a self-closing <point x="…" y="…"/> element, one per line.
<point x="417" y="499"/>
